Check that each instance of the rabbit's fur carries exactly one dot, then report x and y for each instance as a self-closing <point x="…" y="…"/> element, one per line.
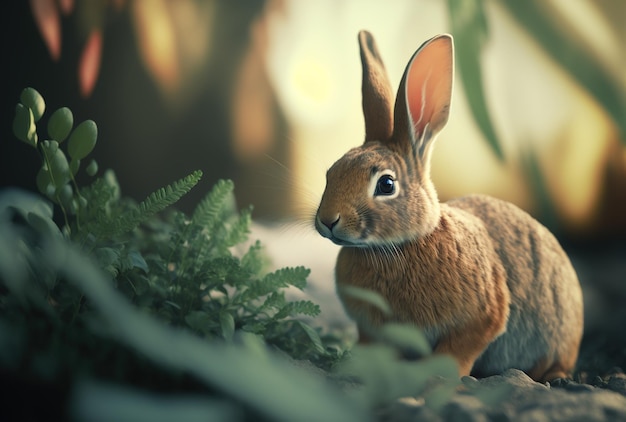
<point x="486" y="282"/>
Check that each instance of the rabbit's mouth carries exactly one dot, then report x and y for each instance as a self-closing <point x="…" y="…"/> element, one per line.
<point x="342" y="242"/>
<point x="347" y="243"/>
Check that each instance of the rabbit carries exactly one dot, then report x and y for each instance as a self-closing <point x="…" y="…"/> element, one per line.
<point x="486" y="282"/>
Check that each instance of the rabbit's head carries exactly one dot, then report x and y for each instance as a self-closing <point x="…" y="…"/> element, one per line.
<point x="380" y="193"/>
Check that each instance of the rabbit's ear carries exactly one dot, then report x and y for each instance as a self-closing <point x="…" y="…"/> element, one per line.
<point x="423" y="101"/>
<point x="377" y="93"/>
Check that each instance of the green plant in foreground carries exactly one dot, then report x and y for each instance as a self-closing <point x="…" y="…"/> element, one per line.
<point x="181" y="268"/>
<point x="163" y="304"/>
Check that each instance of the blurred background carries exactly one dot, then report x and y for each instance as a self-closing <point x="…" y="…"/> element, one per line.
<point x="267" y="93"/>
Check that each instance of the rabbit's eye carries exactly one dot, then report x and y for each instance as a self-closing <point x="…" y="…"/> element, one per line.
<point x="385" y="185"/>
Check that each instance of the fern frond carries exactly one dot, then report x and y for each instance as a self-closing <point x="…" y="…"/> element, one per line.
<point x="210" y="210"/>
<point x="290" y="276"/>
<point x="302" y="307"/>
<point x="240" y="229"/>
<point x="254" y="259"/>
<point x="279" y="279"/>
<point x="164" y="197"/>
<point x="154" y="203"/>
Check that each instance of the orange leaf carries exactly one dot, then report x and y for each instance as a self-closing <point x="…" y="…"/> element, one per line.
<point x="47" y="20"/>
<point x="89" y="64"/>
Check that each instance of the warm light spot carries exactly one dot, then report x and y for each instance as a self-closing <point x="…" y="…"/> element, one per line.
<point x="47" y="19"/>
<point x="66" y="6"/>
<point x="89" y="65"/>
<point x="156" y="37"/>
<point x="311" y="81"/>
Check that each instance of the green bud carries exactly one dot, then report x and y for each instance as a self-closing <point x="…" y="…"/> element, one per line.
<point x="74" y="166"/>
<point x="66" y="195"/>
<point x="44" y="183"/>
<point x="92" y="168"/>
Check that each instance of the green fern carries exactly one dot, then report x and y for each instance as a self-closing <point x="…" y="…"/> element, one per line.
<point x="154" y="203"/>
<point x="179" y="269"/>
<point x="210" y="211"/>
<point x="279" y="279"/>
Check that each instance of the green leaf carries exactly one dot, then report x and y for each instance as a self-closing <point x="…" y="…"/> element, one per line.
<point x="227" y="323"/>
<point x="579" y="62"/>
<point x="253" y="260"/>
<point x="254" y="327"/>
<point x="56" y="161"/>
<point x="405" y="337"/>
<point x="275" y="300"/>
<point x="154" y="203"/>
<point x="313" y="336"/>
<point x="289" y="276"/>
<point x="134" y="259"/>
<point x="385" y="378"/>
<point x="238" y="232"/>
<point x="367" y="296"/>
<point x="43" y="225"/>
<point x="24" y="127"/>
<point x="34" y="101"/>
<point x="44" y="182"/>
<point x="82" y="140"/>
<point x="101" y="401"/>
<point x="303" y="307"/>
<point x="65" y="195"/>
<point x="108" y="259"/>
<point x="210" y="211"/>
<point x="60" y="124"/>
<point x="199" y="321"/>
<point x="74" y="166"/>
<point x="469" y="28"/>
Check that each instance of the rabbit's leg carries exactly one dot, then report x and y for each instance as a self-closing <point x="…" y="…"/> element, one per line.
<point x="548" y="370"/>
<point x="467" y="343"/>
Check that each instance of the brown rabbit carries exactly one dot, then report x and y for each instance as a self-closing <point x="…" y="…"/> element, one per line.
<point x="486" y="282"/>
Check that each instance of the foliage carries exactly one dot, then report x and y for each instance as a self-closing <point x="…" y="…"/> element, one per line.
<point x="119" y="306"/>
<point x="469" y="25"/>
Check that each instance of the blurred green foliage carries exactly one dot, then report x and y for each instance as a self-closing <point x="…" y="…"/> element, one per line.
<point x="121" y="314"/>
<point x="469" y="26"/>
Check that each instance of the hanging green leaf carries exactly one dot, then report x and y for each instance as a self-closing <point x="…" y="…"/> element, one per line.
<point x="469" y="28"/>
<point x="82" y="140"/>
<point x="227" y="323"/>
<point x="57" y="163"/>
<point x="24" y="127"/>
<point x="33" y="100"/>
<point x="367" y="296"/>
<point x="74" y="166"/>
<point x="60" y="124"/>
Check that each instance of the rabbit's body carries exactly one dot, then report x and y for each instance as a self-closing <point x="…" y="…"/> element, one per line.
<point x="486" y="282"/>
<point x="476" y="281"/>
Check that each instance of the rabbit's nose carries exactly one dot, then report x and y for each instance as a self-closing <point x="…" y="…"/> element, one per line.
<point x="330" y="223"/>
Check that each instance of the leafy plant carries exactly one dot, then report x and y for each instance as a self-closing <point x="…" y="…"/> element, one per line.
<point x="120" y="304"/>
<point x="181" y="268"/>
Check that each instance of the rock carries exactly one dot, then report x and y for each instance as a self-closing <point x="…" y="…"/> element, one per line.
<point x="617" y="383"/>
<point x="513" y="396"/>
